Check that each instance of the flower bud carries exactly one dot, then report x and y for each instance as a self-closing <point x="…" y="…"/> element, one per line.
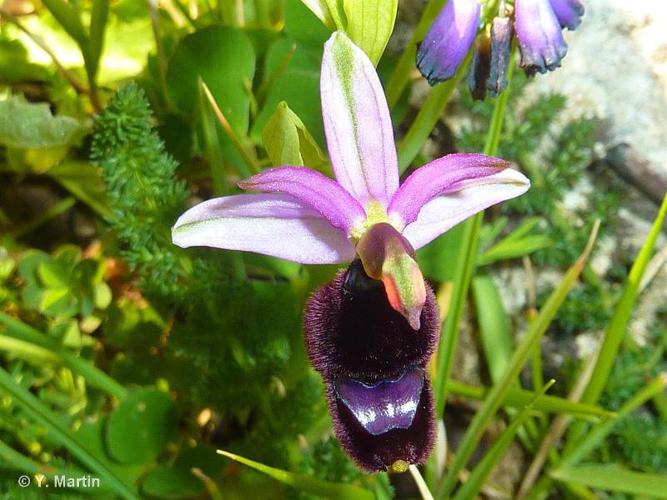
<point x="501" y="41"/>
<point x="480" y="67"/>
<point x="448" y="40"/>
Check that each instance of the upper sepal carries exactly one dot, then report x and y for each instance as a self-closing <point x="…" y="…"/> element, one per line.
<point x="357" y="124"/>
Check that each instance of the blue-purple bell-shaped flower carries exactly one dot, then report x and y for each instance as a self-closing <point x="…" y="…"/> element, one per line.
<point x="568" y="12"/>
<point x="448" y="41"/>
<point x="540" y="37"/>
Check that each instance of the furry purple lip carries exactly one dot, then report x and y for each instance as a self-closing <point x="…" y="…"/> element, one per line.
<point x="385" y="405"/>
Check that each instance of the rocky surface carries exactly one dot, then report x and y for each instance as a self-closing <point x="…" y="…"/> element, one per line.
<point x="616" y="71"/>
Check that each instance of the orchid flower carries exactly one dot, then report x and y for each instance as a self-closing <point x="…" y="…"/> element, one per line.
<point x="307" y="217"/>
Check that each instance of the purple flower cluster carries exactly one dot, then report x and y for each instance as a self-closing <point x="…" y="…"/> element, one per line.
<point x="538" y="26"/>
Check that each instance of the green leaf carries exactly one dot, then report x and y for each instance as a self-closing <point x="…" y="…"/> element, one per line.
<point x="298" y="86"/>
<point x="481" y="472"/>
<point x="614" y="478"/>
<point x="305" y="483"/>
<point x="84" y="181"/>
<point x="435" y="259"/>
<point x="516" y="244"/>
<point x="54" y="274"/>
<point x="177" y="480"/>
<point x="288" y="142"/>
<point x="98" y="21"/>
<point x="370" y="24"/>
<point x="623" y="312"/>
<point x="519" y="397"/>
<point x="519" y="357"/>
<point x="224" y="59"/>
<point x="93" y="375"/>
<point x="141" y="426"/>
<point x="494" y="326"/>
<point x="28" y="125"/>
<point x="68" y="17"/>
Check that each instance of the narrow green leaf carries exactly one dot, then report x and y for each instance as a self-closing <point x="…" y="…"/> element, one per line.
<point x="598" y="432"/>
<point x="519" y="357"/>
<point x="615" y="478"/>
<point x="305" y="483"/>
<point x="98" y="22"/>
<point x="68" y="17"/>
<point x="321" y="10"/>
<point x="516" y="244"/>
<point x="516" y="248"/>
<point x="481" y="472"/>
<point x="619" y="322"/>
<point x="38" y="411"/>
<point x="13" y="459"/>
<point x="494" y="326"/>
<point x="517" y="398"/>
<point x="370" y="24"/>
<point x="288" y="142"/>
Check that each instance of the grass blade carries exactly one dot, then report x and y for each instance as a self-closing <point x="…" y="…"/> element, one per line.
<point x="428" y="116"/>
<point x="499" y="391"/>
<point x="595" y="436"/>
<point x="617" y="328"/>
<point x="516" y="398"/>
<point x="305" y="483"/>
<point x="614" y="478"/>
<point x="494" y="325"/>
<point x="619" y="322"/>
<point x="479" y="475"/>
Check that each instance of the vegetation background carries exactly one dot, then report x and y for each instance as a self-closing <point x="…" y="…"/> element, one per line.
<point x="126" y="358"/>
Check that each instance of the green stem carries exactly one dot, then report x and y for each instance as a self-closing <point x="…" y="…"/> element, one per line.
<point x="465" y="268"/>
<point x="521" y="354"/>
<point x="428" y="116"/>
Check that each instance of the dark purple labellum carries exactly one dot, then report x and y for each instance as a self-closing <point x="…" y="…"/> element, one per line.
<point x="352" y="331"/>
<point x="385" y="405"/>
<point x="378" y="452"/>
<point x="373" y="365"/>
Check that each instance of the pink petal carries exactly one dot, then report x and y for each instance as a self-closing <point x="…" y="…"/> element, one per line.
<point x="270" y="224"/>
<point x="358" y="127"/>
<point x="313" y="190"/>
<point x="471" y="196"/>
<point x="439" y="177"/>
